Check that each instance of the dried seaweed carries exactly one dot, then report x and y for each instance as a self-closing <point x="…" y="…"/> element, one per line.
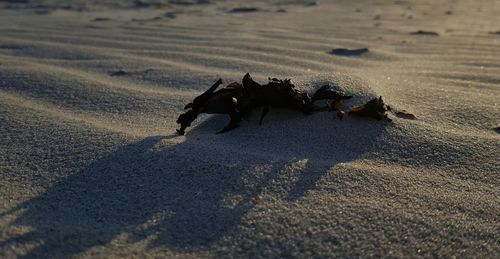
<point x="239" y="100"/>
<point x="335" y="99"/>
<point x="375" y="108"/>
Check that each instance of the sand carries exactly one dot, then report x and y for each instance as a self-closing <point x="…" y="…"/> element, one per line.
<point x="90" y="165"/>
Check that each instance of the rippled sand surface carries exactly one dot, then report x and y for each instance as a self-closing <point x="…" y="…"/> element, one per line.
<point x="90" y="165"/>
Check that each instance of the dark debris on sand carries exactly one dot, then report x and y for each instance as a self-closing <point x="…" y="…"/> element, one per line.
<point x="171" y="15"/>
<point x="118" y="73"/>
<point x="427" y="33"/>
<point x="243" y="10"/>
<point x="122" y="72"/>
<point x="186" y="2"/>
<point x="348" y="52"/>
<point x="147" y="4"/>
<point x="405" y="115"/>
<point x="312" y="3"/>
<point x="102" y="19"/>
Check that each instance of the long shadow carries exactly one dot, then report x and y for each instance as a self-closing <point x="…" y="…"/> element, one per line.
<point x="187" y="196"/>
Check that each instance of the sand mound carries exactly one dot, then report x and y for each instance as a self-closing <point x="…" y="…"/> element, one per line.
<point x="289" y="135"/>
<point x="359" y="89"/>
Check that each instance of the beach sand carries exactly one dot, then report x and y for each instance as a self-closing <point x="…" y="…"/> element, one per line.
<point x="91" y="166"/>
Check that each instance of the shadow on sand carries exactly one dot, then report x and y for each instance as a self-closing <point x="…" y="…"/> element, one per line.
<point x="187" y="196"/>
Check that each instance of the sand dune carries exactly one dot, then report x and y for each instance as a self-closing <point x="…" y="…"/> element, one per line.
<point x="91" y="166"/>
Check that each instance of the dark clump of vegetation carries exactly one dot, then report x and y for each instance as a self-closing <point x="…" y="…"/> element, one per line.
<point x="239" y="100"/>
